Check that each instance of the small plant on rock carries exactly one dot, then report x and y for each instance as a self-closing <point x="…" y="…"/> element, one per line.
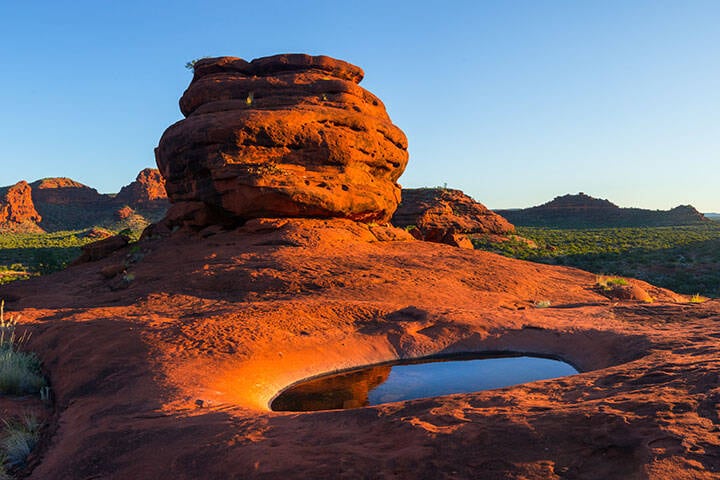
<point x="607" y="283"/>
<point x="191" y="64"/>
<point x="697" y="298"/>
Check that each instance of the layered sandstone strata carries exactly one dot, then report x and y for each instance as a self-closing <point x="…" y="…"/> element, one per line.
<point x="284" y="136"/>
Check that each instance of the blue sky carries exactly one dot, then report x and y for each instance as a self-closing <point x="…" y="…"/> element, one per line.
<point x="512" y="101"/>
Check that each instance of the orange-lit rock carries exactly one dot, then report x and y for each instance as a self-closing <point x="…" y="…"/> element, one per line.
<point x="16" y="206"/>
<point x="445" y="215"/>
<point x="232" y="318"/>
<point x="148" y="187"/>
<point x="281" y="136"/>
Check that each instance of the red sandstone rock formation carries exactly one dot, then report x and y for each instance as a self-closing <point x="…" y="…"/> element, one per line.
<point x="124" y="212"/>
<point x="149" y="186"/>
<point x="63" y="191"/>
<point x="444" y="216"/>
<point x="16" y="205"/>
<point x="101" y="248"/>
<point x="53" y="204"/>
<point x="283" y="136"/>
<point x="131" y="347"/>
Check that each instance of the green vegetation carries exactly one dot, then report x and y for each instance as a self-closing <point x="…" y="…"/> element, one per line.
<point x="608" y="283"/>
<point x="19" y="371"/>
<point x="24" y="255"/>
<point x="685" y="259"/>
<point x="19" y="374"/>
<point x="697" y="298"/>
<point x="191" y="64"/>
<point x="17" y="441"/>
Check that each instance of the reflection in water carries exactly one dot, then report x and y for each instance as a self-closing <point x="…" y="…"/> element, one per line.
<point x="416" y="379"/>
<point x="333" y="392"/>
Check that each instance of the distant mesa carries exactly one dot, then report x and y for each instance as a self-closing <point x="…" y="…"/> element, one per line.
<point x="63" y="191"/>
<point x="584" y="211"/>
<point x="446" y="216"/>
<point x="54" y="204"/>
<point x="289" y="135"/>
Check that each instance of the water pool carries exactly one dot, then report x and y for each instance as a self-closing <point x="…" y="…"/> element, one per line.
<point x="407" y="380"/>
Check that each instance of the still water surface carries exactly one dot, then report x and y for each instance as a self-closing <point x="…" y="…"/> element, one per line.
<point x="409" y="380"/>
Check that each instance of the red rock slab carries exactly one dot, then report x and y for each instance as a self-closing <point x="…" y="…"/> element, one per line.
<point x="229" y="318"/>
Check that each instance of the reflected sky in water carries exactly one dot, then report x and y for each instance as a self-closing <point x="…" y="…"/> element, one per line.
<point x="407" y="381"/>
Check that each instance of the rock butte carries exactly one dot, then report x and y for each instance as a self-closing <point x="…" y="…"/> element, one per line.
<point x="148" y="187"/>
<point x="16" y="205"/>
<point x="283" y="136"/>
<point x="167" y="371"/>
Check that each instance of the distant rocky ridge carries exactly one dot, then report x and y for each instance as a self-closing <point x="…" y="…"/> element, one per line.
<point x="584" y="211"/>
<point x="444" y="215"/>
<point x="55" y="204"/>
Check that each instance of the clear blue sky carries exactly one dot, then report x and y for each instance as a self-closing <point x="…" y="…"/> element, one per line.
<point x="512" y="101"/>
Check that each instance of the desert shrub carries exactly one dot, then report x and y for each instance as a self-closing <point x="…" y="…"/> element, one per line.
<point x="697" y="298"/>
<point x="18" y="439"/>
<point x="609" y="282"/>
<point x="191" y="64"/>
<point x="19" y="371"/>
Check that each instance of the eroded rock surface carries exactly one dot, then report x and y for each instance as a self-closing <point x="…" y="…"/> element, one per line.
<point x="148" y="188"/>
<point x="283" y="136"/>
<point x="17" y="210"/>
<point x="445" y="215"/>
<point x="166" y="370"/>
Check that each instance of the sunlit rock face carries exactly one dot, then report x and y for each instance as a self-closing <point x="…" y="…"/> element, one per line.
<point x="444" y="215"/>
<point x="289" y="135"/>
<point x="16" y="205"/>
<point x="148" y="188"/>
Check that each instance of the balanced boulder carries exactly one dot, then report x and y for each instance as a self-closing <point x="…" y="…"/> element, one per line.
<point x="290" y="135"/>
